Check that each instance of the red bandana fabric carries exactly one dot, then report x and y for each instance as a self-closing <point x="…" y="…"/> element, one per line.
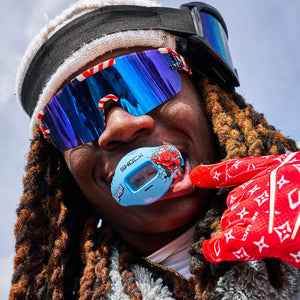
<point x="263" y="215"/>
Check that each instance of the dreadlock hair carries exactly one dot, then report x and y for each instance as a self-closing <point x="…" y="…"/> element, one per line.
<point x="61" y="252"/>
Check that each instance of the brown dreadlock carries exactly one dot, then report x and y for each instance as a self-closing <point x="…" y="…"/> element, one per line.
<point x="54" y="261"/>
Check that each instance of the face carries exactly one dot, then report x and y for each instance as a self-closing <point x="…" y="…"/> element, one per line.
<point x="179" y="122"/>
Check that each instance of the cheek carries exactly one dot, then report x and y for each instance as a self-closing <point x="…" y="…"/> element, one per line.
<point x="82" y="163"/>
<point x="191" y="113"/>
<point x="89" y="171"/>
<point x="186" y="111"/>
<point x="186" y="106"/>
<point x="78" y="162"/>
<point x="177" y="111"/>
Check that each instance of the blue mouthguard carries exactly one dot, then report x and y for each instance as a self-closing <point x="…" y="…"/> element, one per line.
<point x="144" y="175"/>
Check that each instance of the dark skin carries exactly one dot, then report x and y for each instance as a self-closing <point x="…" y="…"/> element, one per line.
<point x="180" y="122"/>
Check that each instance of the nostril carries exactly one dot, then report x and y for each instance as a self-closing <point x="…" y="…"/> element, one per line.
<point x="142" y="131"/>
<point x="110" y="145"/>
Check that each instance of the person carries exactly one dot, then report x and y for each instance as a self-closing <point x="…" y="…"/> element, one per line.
<point x="106" y="79"/>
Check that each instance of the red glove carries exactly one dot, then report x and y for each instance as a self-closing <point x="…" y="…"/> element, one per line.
<point x="263" y="215"/>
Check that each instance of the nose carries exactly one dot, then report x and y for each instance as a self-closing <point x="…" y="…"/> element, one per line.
<point x="122" y="127"/>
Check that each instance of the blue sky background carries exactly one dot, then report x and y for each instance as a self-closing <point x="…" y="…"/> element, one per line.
<point x="264" y="38"/>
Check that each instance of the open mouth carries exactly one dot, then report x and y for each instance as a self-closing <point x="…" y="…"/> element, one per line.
<point x="181" y="184"/>
<point x="150" y="174"/>
<point x="179" y="174"/>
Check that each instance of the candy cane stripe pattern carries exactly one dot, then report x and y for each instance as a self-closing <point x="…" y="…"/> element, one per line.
<point x="95" y="69"/>
<point x="45" y="132"/>
<point x="111" y="62"/>
<point x="103" y="101"/>
<point x="263" y="215"/>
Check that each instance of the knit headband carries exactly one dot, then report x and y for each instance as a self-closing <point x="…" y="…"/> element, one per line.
<point x="91" y="35"/>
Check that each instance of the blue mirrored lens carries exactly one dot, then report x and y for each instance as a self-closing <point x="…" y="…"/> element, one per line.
<point x="141" y="81"/>
<point x="216" y="36"/>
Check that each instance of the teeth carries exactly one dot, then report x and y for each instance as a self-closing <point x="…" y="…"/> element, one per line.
<point x="179" y="174"/>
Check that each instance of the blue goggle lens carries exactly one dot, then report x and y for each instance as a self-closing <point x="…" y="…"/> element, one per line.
<point x="216" y="36"/>
<point x="140" y="81"/>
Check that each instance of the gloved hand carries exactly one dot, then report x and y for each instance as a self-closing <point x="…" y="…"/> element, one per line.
<point x="263" y="215"/>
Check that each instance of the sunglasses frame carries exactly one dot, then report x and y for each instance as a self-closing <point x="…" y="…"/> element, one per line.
<point x="175" y="62"/>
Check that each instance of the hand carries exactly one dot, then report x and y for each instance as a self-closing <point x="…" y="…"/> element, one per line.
<point x="263" y="215"/>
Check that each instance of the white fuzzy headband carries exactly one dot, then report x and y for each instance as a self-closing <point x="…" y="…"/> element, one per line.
<point x="88" y="51"/>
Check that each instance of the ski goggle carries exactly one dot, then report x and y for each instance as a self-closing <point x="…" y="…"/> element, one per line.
<point x="137" y="82"/>
<point x="207" y="51"/>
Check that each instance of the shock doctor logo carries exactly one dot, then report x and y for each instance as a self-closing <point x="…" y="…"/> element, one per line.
<point x="131" y="161"/>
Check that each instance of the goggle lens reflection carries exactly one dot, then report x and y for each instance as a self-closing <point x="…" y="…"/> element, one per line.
<point x="138" y="82"/>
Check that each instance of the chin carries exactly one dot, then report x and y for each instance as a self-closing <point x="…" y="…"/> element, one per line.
<point x="172" y="213"/>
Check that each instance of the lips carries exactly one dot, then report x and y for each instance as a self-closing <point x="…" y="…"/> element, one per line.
<point x="141" y="185"/>
<point x="179" y="174"/>
<point x="181" y="184"/>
